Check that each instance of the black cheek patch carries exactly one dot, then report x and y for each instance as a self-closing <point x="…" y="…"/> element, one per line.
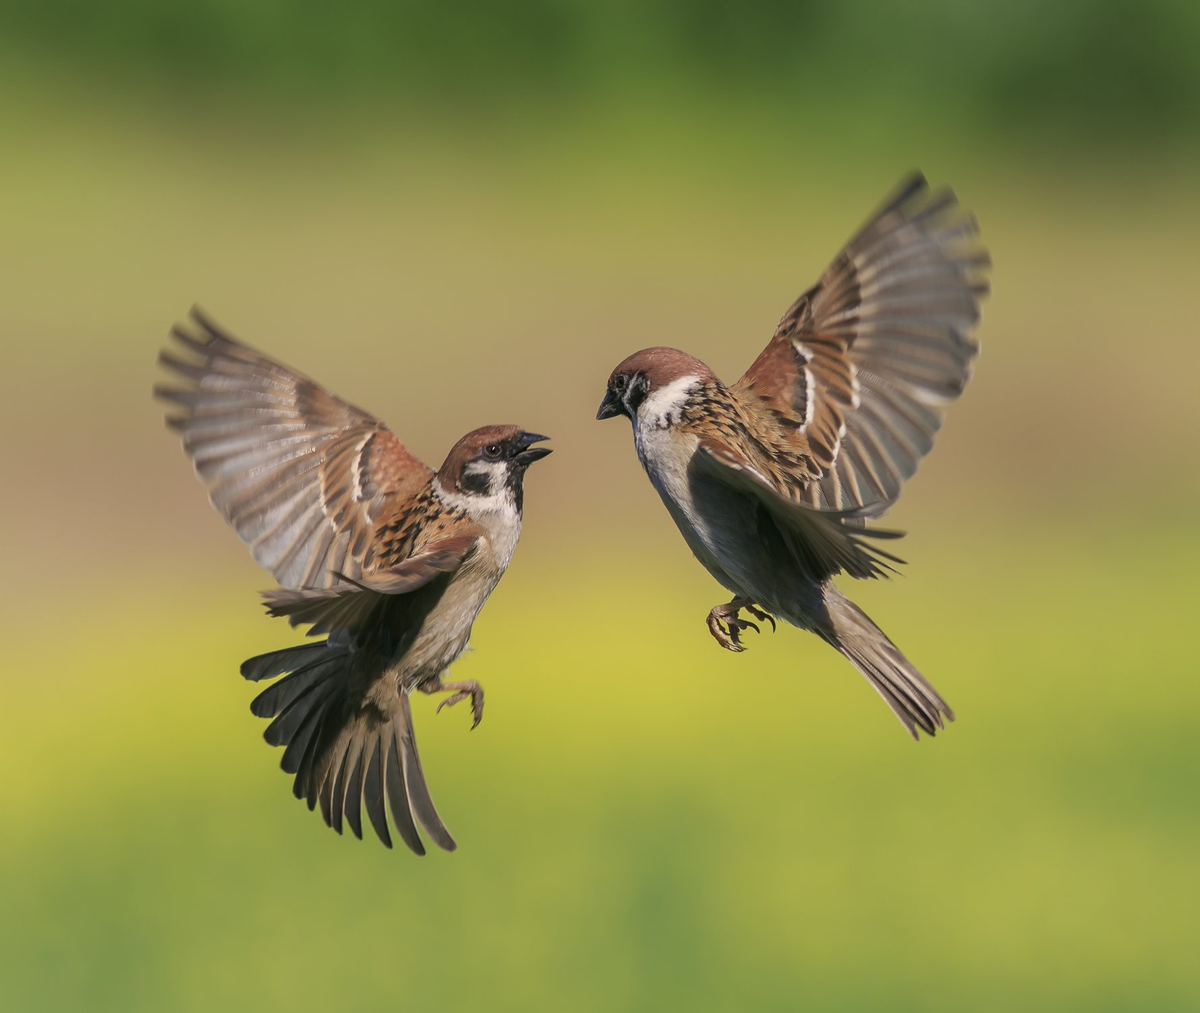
<point x="635" y="392"/>
<point x="475" y="483"/>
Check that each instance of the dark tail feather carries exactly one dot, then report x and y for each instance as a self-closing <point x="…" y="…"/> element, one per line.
<point x="904" y="689"/>
<point x="267" y="666"/>
<point x="346" y="754"/>
<point x="414" y="780"/>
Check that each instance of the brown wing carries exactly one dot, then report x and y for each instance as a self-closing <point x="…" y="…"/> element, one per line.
<point x="302" y="476"/>
<point x="863" y="365"/>
<point x="822" y="544"/>
<point x="353" y="604"/>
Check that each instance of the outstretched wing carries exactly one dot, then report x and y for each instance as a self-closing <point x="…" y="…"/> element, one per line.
<point x="302" y="476"/>
<point x="821" y="543"/>
<point x="862" y="366"/>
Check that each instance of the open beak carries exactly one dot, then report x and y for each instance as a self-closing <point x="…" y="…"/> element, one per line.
<point x="529" y="453"/>
<point x="610" y="407"/>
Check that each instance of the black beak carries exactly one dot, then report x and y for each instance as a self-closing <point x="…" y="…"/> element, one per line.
<point x="530" y="453"/>
<point x="610" y="407"/>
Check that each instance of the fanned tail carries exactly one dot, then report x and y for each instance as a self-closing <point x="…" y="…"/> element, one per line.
<point x="905" y="690"/>
<point x="345" y="751"/>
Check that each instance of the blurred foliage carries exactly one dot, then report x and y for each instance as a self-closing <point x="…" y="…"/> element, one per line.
<point x="687" y="829"/>
<point x="1075" y="68"/>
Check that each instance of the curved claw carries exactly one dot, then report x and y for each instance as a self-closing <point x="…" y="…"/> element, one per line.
<point x="450" y="701"/>
<point x="727" y="638"/>
<point x="761" y="616"/>
<point x="464" y="690"/>
<point x="726" y="625"/>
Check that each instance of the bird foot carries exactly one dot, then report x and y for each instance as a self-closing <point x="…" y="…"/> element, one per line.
<point x="726" y="626"/>
<point x="760" y="615"/>
<point x="460" y="691"/>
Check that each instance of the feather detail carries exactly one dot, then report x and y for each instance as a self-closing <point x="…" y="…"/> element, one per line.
<point x="302" y="476"/>
<point x="862" y="366"/>
<point x="821" y="544"/>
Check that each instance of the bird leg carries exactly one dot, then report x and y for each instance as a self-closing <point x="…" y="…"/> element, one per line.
<point x="461" y="691"/>
<point x="725" y="626"/>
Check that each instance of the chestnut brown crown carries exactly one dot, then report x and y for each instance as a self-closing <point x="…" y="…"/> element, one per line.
<point x="505" y="444"/>
<point x="644" y="372"/>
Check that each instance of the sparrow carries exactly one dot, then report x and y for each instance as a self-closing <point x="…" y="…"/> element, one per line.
<point x="772" y="480"/>
<point x="387" y="559"/>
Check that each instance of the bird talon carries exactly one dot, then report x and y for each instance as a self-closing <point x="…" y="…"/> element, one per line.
<point x="726" y="626"/>
<point x="450" y="701"/>
<point x="760" y="615"/>
<point x="462" y="690"/>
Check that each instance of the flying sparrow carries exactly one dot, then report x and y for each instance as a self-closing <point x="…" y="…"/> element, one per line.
<point x="771" y="480"/>
<point x="388" y="559"/>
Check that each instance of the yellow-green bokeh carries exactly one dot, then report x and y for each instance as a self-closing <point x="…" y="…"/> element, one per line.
<point x="644" y="821"/>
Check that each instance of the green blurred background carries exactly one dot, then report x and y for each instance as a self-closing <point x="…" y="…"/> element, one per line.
<point x="463" y="214"/>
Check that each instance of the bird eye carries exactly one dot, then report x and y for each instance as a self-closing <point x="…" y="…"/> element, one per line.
<point x="619" y="382"/>
<point x="492" y="450"/>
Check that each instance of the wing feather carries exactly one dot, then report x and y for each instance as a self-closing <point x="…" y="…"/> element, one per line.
<point x="300" y="474"/>
<point x="823" y="543"/>
<point x="862" y="366"/>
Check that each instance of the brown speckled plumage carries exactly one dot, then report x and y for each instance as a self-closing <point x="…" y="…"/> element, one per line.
<point x="772" y="479"/>
<point x="388" y="559"/>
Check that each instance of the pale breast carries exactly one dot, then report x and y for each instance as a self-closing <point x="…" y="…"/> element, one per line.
<point x="666" y="455"/>
<point x="446" y="630"/>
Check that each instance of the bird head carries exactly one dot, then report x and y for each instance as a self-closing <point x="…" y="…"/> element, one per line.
<point x="653" y="384"/>
<point x="489" y="463"/>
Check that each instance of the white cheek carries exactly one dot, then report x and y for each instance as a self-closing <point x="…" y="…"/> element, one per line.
<point x="496" y="508"/>
<point x="665" y="406"/>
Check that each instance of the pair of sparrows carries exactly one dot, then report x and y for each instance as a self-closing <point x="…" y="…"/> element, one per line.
<point x="771" y="481"/>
